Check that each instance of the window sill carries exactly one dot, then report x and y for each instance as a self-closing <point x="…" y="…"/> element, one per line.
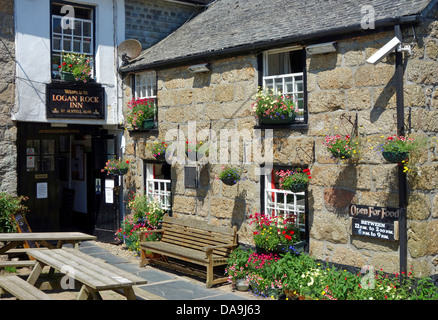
<point x="143" y="130"/>
<point x="294" y="126"/>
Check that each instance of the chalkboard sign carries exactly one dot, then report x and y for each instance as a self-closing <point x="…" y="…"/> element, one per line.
<point x="375" y="222"/>
<point x="23" y="227"/>
<point x="380" y="230"/>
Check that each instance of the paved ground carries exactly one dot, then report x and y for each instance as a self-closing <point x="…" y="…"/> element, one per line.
<point x="162" y="284"/>
<point x="165" y="285"/>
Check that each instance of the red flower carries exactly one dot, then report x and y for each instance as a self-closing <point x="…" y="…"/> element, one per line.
<point x="127" y="161"/>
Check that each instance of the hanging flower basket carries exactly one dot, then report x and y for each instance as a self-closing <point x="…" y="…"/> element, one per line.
<point x="298" y="187"/>
<point x="116" y="167"/>
<point x="395" y="157"/>
<point x="341" y="147"/>
<point x="274" y="108"/>
<point x="229" y="176"/>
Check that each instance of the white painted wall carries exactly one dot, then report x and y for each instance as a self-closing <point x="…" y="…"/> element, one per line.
<point x="32" y="47"/>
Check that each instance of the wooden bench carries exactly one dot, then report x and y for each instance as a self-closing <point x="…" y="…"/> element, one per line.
<point x="16" y="264"/>
<point x="193" y="241"/>
<point x="21" y="289"/>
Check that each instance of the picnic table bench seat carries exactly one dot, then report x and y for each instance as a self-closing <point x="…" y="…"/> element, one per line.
<point x="192" y="241"/>
<point x="16" y="263"/>
<point x="21" y="289"/>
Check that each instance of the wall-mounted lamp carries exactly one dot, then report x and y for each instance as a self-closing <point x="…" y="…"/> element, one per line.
<point x="203" y="67"/>
<point x="321" y="48"/>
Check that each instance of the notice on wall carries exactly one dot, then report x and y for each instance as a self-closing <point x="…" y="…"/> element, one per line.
<point x="109" y="191"/>
<point x="375" y="222"/>
<point x="41" y="190"/>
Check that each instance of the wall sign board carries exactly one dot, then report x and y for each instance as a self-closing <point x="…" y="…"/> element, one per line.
<point x="375" y="222"/>
<point x="75" y="101"/>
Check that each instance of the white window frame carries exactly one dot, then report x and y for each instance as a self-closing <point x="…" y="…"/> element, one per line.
<point x="158" y="188"/>
<point x="70" y="34"/>
<point x="145" y="85"/>
<point x="275" y="207"/>
<point x="290" y="84"/>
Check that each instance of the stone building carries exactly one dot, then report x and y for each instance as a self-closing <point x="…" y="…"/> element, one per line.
<point x="244" y="45"/>
<point x="8" y="129"/>
<point x="56" y="135"/>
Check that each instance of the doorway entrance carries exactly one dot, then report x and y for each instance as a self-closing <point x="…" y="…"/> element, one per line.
<point x="60" y="171"/>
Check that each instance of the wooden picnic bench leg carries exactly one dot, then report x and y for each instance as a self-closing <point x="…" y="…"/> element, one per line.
<point x="86" y="293"/>
<point x="129" y="293"/>
<point x="8" y="246"/>
<point x="36" y="271"/>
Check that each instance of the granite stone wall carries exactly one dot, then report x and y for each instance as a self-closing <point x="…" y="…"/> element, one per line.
<point x="8" y="130"/>
<point x="341" y="87"/>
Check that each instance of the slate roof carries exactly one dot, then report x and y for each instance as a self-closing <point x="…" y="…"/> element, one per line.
<point x="234" y="24"/>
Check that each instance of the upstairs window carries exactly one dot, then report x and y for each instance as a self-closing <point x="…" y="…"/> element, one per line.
<point x="71" y="32"/>
<point x="145" y="85"/>
<point x="284" y="72"/>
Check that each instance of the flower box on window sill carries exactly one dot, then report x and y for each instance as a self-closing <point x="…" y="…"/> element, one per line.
<point x="146" y="125"/>
<point x="292" y="126"/>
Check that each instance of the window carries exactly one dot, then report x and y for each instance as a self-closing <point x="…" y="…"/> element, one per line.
<point x="146" y="85"/>
<point x="158" y="183"/>
<point x="77" y="38"/>
<point x="278" y="202"/>
<point x="284" y="71"/>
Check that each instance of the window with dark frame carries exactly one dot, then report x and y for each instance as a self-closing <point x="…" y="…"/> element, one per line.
<point x="145" y="87"/>
<point x="284" y="71"/>
<point x="78" y="38"/>
<point x="278" y="202"/>
<point x="158" y="183"/>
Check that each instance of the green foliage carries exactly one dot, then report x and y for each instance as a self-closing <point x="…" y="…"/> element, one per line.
<point x="270" y="275"/>
<point x="273" y="105"/>
<point x="9" y="205"/>
<point x="146" y="214"/>
<point x="227" y="173"/>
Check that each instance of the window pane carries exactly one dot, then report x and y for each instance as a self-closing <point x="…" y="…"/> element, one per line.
<point x="56" y="43"/>
<point x="56" y="25"/>
<point x="66" y="44"/>
<point x="86" y="29"/>
<point x="78" y="28"/>
<point x="77" y="46"/>
<point x="87" y="46"/>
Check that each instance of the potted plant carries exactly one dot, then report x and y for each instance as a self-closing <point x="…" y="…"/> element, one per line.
<point x="396" y="149"/>
<point x="237" y="269"/>
<point x="295" y="181"/>
<point x="199" y="148"/>
<point x="274" y="108"/>
<point x="276" y="234"/>
<point x="75" y="67"/>
<point x="342" y="147"/>
<point x="116" y="166"/>
<point x="229" y="176"/>
<point x="158" y="149"/>
<point x="141" y="114"/>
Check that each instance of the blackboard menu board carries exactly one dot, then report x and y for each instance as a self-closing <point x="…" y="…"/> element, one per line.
<point x="375" y="222"/>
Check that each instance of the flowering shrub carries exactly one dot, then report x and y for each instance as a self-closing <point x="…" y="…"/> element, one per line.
<point x="140" y="109"/>
<point x="292" y="276"/>
<point x="146" y="214"/>
<point x="272" y="231"/>
<point x="289" y="178"/>
<point x="9" y="205"/>
<point x="77" y="64"/>
<point x="158" y="148"/>
<point x="273" y="106"/>
<point x="116" y="166"/>
<point x="341" y="147"/>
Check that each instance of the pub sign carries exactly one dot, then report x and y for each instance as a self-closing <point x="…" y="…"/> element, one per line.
<point x="75" y="101"/>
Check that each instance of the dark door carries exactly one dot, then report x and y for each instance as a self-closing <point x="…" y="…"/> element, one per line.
<point x="105" y="190"/>
<point x="39" y="181"/>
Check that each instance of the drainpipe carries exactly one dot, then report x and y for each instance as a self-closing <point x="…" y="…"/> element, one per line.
<point x="402" y="179"/>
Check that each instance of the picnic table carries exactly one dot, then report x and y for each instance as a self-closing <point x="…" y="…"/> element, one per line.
<point x="13" y="240"/>
<point x="94" y="274"/>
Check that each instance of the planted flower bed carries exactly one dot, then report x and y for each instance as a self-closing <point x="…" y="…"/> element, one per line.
<point x="299" y="277"/>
